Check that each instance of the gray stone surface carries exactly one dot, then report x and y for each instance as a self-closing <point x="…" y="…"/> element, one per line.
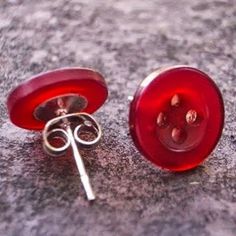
<point x="124" y="40"/>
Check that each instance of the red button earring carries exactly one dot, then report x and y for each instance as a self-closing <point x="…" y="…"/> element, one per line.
<point x="176" y="117"/>
<point x="60" y="103"/>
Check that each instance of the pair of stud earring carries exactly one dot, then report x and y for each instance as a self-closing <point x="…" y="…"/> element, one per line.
<point x="176" y="115"/>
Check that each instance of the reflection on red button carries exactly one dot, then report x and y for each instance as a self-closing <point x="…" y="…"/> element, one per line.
<point x="176" y="117"/>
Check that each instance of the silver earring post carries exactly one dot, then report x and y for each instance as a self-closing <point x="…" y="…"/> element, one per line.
<point x="67" y="130"/>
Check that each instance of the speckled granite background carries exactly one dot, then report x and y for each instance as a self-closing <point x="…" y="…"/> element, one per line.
<point x="124" y="40"/>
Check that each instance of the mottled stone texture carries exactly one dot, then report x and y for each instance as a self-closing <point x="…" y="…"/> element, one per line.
<point x="124" y="40"/>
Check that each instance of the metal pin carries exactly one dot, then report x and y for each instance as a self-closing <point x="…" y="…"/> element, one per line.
<point x="80" y="165"/>
<point x="68" y="127"/>
<point x="130" y="98"/>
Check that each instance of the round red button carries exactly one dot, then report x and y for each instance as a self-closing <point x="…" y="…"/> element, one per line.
<point x="176" y="117"/>
<point x="23" y="100"/>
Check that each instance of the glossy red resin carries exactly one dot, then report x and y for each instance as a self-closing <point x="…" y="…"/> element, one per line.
<point x="174" y="142"/>
<point x="24" y="99"/>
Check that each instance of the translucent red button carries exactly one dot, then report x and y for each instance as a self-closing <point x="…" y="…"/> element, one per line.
<point x="177" y="117"/>
<point x="24" y="100"/>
